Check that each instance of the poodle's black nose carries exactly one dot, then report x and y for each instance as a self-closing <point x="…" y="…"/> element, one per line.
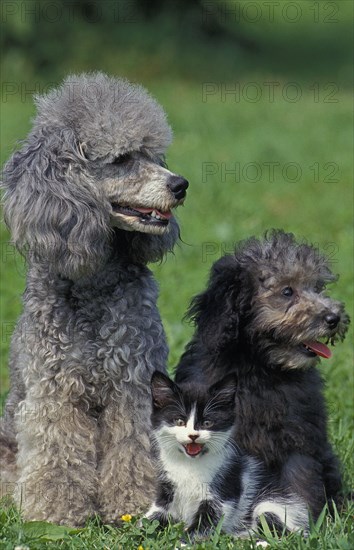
<point x="332" y="319"/>
<point x="177" y="185"/>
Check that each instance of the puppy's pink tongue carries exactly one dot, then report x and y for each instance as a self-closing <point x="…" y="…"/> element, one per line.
<point x="319" y="349"/>
<point x="193" y="449"/>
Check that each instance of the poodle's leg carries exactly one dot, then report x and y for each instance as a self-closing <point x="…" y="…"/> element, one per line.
<point x="303" y="475"/>
<point x="8" y="442"/>
<point x="8" y="450"/>
<point x="56" y="461"/>
<point x="127" y="476"/>
<point x="331" y="475"/>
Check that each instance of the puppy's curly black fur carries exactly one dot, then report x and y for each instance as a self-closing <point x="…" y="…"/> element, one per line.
<point x="262" y="316"/>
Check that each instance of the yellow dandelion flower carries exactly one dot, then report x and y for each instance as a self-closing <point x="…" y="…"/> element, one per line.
<point x="140" y="547"/>
<point x="126" y="517"/>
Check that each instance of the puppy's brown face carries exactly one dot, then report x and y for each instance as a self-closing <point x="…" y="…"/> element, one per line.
<point x="295" y="319"/>
<point x="141" y="192"/>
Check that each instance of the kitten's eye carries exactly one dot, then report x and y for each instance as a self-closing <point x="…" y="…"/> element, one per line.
<point x="287" y="291"/>
<point x="179" y="422"/>
<point x="122" y="159"/>
<point x="207" y="424"/>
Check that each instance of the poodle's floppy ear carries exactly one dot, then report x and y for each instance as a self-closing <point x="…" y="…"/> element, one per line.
<point x="53" y="211"/>
<point x="218" y="310"/>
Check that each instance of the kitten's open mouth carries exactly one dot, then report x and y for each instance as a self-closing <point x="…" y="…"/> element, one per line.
<point x="147" y="216"/>
<point x="193" y="449"/>
<point x="311" y="349"/>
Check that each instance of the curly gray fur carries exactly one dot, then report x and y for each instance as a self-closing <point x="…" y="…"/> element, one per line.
<point x="75" y="436"/>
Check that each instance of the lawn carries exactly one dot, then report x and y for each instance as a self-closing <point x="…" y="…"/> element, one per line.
<point x="252" y="163"/>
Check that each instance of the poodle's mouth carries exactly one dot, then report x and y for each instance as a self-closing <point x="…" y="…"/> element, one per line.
<point x="148" y="216"/>
<point x="312" y="349"/>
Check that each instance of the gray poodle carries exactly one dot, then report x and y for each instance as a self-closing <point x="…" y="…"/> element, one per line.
<point x="88" y="201"/>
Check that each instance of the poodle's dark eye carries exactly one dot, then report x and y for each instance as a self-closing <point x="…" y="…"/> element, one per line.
<point x="162" y="162"/>
<point x="287" y="291"/>
<point x="122" y="159"/>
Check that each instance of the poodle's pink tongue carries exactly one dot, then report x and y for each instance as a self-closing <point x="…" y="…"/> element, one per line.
<point x="319" y="349"/>
<point x="164" y="215"/>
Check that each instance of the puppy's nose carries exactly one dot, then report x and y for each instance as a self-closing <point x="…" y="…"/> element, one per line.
<point x="178" y="185"/>
<point x="193" y="437"/>
<point x="332" y="319"/>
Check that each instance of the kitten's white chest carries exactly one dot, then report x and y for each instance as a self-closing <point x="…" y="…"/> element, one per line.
<point x="192" y="480"/>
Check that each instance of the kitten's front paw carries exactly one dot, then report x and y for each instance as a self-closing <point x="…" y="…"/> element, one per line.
<point x="159" y="516"/>
<point x="196" y="534"/>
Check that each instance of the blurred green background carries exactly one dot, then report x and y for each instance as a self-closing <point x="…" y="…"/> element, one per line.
<point x="259" y="95"/>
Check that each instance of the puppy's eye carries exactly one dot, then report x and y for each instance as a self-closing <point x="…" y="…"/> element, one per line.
<point x="122" y="159"/>
<point x="287" y="291"/>
<point x="319" y="287"/>
<point x="207" y="424"/>
<point x="179" y="422"/>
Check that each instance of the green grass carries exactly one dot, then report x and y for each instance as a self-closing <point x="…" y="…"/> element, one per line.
<point x="326" y="534"/>
<point x="219" y="211"/>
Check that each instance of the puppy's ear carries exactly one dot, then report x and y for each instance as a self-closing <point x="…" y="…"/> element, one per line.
<point x="224" y="390"/>
<point x="218" y="311"/>
<point x="53" y="210"/>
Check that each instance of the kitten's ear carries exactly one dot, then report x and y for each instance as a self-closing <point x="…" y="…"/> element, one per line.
<point x="225" y="390"/>
<point x="163" y="389"/>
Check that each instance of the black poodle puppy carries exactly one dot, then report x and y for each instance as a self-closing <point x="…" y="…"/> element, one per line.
<point x="264" y="316"/>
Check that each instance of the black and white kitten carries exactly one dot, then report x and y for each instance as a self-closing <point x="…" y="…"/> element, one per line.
<point x="202" y="476"/>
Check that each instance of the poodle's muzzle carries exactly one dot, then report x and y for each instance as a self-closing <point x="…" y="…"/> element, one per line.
<point x="142" y="194"/>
